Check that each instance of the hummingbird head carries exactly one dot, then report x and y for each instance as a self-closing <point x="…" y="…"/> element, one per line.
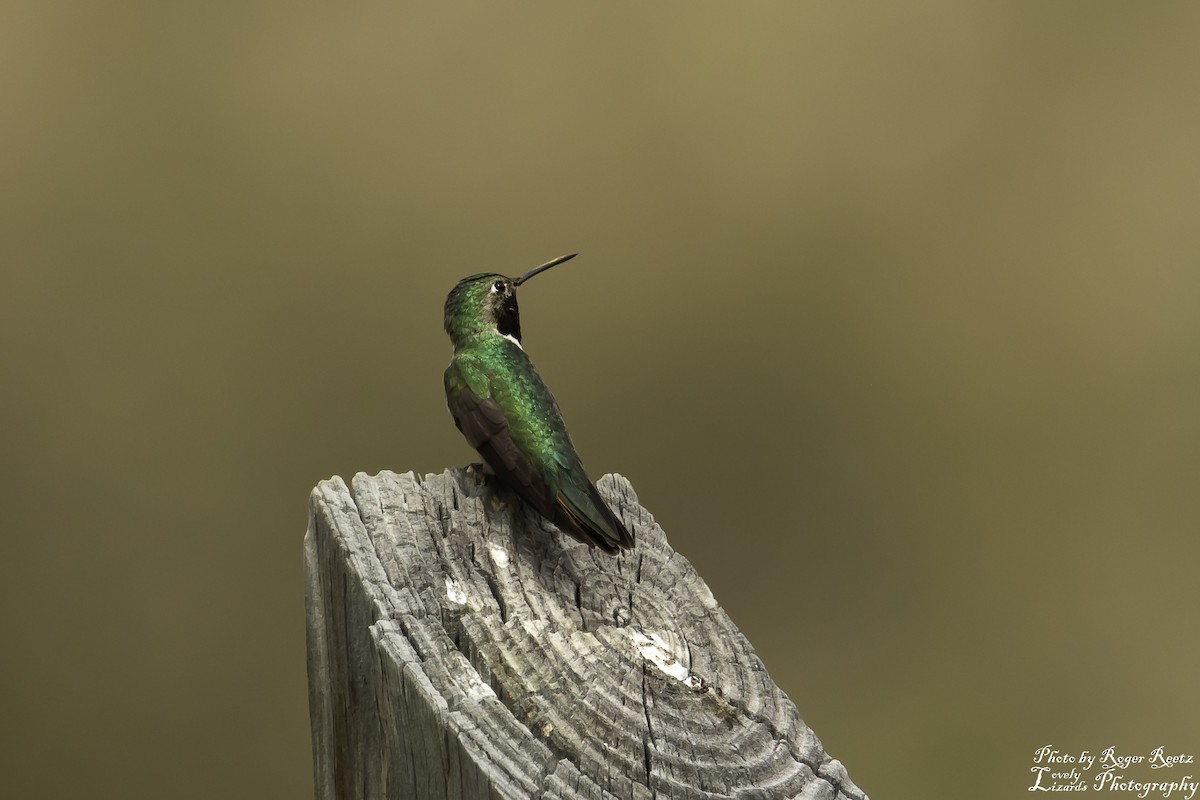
<point x="486" y="305"/>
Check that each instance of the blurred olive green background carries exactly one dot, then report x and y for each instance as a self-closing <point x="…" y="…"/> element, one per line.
<point x="889" y="312"/>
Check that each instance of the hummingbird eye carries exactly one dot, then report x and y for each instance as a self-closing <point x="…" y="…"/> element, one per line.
<point x="498" y="287"/>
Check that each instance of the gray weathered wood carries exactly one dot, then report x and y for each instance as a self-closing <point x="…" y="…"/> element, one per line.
<point x="460" y="647"/>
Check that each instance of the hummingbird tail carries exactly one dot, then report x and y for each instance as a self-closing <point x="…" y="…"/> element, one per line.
<point x="583" y="513"/>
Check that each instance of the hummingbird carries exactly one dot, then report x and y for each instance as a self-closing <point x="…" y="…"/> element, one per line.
<point x="506" y="413"/>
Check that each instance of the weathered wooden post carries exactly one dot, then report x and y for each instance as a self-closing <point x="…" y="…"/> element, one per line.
<point x="458" y="647"/>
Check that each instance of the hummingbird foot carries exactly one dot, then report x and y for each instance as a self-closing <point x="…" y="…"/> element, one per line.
<point x="484" y="474"/>
<point x="480" y="468"/>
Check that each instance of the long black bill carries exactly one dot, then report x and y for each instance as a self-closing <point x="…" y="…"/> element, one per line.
<point x="543" y="268"/>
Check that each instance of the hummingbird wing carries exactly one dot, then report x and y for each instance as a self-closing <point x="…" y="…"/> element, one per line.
<point x="485" y="426"/>
<point x="576" y="507"/>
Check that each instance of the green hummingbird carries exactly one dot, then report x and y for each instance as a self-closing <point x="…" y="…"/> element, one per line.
<point x="505" y="411"/>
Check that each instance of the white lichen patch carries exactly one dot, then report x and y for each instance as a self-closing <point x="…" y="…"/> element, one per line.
<point x="454" y="594"/>
<point x="534" y="627"/>
<point x="656" y="651"/>
<point x="479" y="690"/>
